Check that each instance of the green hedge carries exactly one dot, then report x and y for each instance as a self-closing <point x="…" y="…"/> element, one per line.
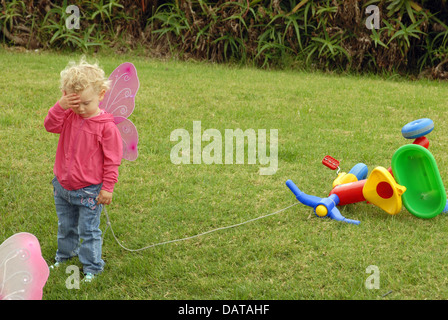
<point x="330" y="34"/>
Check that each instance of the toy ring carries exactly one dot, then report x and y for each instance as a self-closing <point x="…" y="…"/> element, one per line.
<point x="417" y="128"/>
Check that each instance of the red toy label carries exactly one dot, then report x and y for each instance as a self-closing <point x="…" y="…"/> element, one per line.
<point x="330" y="162"/>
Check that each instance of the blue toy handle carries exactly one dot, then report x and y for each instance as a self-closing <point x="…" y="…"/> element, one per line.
<point x="313" y="201"/>
<point x="336" y="215"/>
<point x="306" y="199"/>
<point x="293" y="188"/>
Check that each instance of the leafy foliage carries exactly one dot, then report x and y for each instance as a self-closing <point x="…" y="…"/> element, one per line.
<point x="327" y="34"/>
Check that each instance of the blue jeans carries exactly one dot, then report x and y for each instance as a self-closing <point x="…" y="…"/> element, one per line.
<point x="78" y="226"/>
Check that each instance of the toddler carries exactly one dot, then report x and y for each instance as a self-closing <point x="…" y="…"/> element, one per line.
<point x="88" y="155"/>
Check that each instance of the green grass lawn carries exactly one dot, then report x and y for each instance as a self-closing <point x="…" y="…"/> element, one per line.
<point x="291" y="255"/>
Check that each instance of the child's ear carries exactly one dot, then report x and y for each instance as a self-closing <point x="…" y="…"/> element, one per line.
<point x="102" y="93"/>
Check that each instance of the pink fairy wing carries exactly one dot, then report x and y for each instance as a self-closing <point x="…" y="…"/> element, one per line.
<point x="119" y="100"/>
<point x="129" y="136"/>
<point x="23" y="271"/>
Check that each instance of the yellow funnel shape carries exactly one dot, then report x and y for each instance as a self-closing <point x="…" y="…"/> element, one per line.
<point x="382" y="190"/>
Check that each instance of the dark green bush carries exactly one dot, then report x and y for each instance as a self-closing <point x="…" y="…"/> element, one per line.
<point x="327" y="34"/>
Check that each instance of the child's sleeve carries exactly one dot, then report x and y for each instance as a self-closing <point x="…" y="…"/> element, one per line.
<point x="113" y="152"/>
<point x="55" y="119"/>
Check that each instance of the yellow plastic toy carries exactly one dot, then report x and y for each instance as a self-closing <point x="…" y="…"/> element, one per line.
<point x="382" y="190"/>
<point x="344" y="177"/>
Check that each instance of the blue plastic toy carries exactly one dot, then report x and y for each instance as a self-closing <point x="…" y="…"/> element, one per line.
<point x="417" y="128"/>
<point x="323" y="207"/>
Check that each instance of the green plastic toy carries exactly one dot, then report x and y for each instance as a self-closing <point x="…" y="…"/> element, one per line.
<point x="415" y="168"/>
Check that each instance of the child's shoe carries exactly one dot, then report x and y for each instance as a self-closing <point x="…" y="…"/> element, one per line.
<point x="89" y="277"/>
<point x="56" y="265"/>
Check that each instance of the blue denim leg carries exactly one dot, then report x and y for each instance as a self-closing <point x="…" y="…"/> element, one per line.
<point x="78" y="226"/>
<point x="68" y="238"/>
<point x="89" y="231"/>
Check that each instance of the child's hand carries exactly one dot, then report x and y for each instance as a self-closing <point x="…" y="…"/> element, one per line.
<point x="71" y="100"/>
<point x="105" y="197"/>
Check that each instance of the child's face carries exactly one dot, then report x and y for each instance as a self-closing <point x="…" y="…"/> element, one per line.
<point x="90" y="100"/>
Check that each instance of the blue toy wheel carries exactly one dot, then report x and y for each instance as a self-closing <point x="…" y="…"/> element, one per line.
<point x="417" y="128"/>
<point x="360" y="170"/>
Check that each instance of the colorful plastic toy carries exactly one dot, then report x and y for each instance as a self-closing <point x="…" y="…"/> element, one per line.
<point x="415" y="167"/>
<point x="413" y="180"/>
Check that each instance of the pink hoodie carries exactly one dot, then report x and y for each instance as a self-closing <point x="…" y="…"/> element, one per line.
<point x="89" y="150"/>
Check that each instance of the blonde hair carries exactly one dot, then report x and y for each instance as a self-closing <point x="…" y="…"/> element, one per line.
<point x="77" y="77"/>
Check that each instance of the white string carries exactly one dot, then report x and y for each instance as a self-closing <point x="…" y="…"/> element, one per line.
<point x="109" y="225"/>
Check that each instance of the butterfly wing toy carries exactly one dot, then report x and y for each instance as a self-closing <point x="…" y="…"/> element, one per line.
<point x="119" y="101"/>
<point x="23" y="271"/>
